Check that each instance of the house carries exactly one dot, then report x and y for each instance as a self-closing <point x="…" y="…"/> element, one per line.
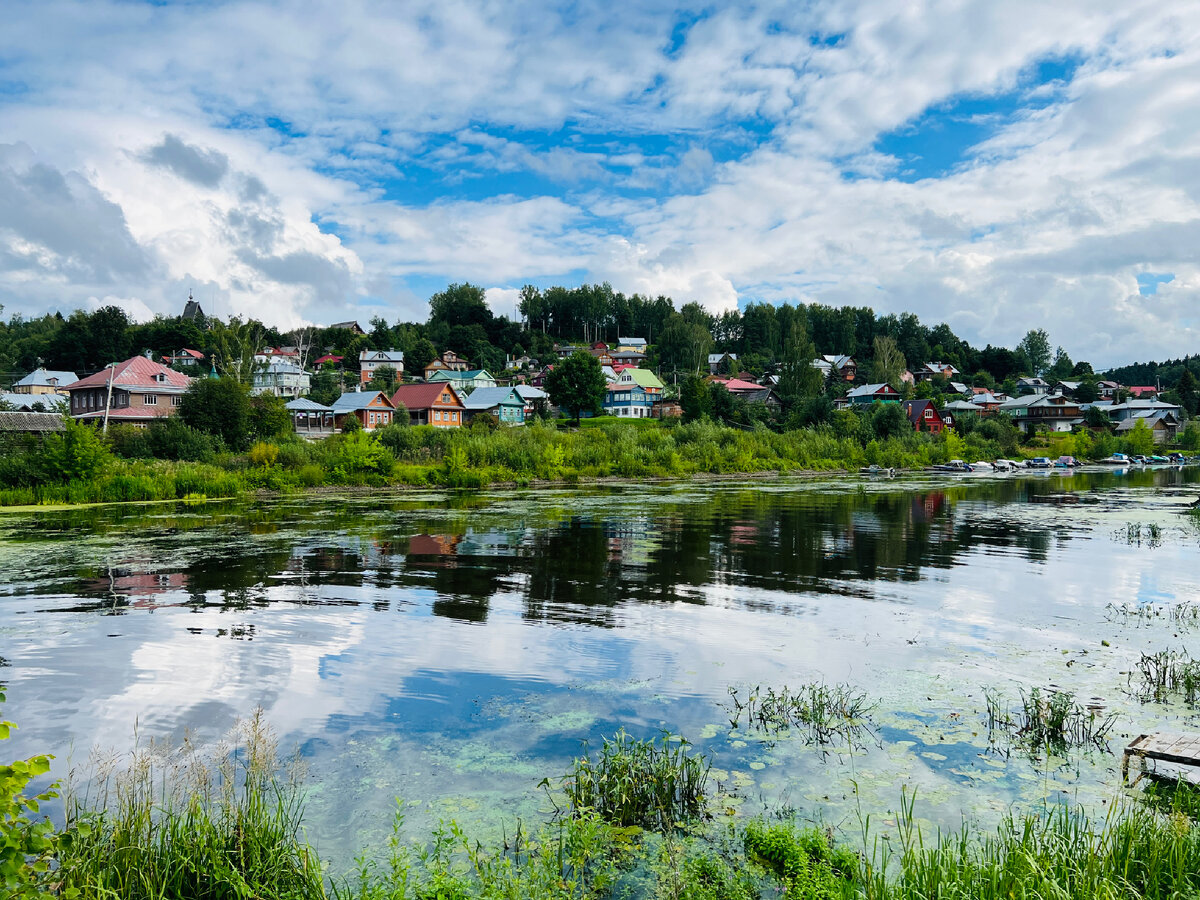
<point x="44" y="381"/>
<point x="747" y="390"/>
<point x="562" y="351"/>
<point x="1107" y="390"/>
<point x="55" y="403"/>
<point x="627" y="357"/>
<point x="841" y="367"/>
<point x="1032" y="385"/>
<point x="934" y="370"/>
<point x="521" y="362"/>
<point x="327" y="359"/>
<point x="985" y="402"/>
<point x="447" y="362"/>
<point x="954" y="409"/>
<point x="185" y="357"/>
<point x="502" y="402"/>
<point x="531" y="397"/>
<point x="373" y="409"/>
<point x="352" y="327"/>
<point x="1051" y="411"/>
<point x="30" y="422"/>
<point x="539" y="380"/>
<point x="1120" y="412"/>
<point x="1163" y="424"/>
<point x="1142" y="391"/>
<point x="924" y="416"/>
<point x="631" y="345"/>
<point x="1066" y="388"/>
<point x="666" y="409"/>
<point x="717" y="360"/>
<point x="866" y="394"/>
<point x="136" y="391"/>
<point x="310" y="418"/>
<point x="633" y="394"/>
<point x="463" y="381"/>
<point x="959" y="388"/>
<point x="432" y="403"/>
<point x="370" y="360"/>
<point x="281" y="379"/>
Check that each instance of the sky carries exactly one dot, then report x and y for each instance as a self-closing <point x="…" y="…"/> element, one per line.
<point x="996" y="166"/>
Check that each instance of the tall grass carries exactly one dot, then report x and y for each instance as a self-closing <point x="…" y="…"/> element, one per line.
<point x="1050" y="721"/>
<point x="826" y="712"/>
<point x="1159" y="675"/>
<point x="222" y="827"/>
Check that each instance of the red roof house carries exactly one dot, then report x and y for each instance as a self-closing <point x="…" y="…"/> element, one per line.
<point x="432" y="403"/>
<point x="924" y="416"/>
<point x="142" y="390"/>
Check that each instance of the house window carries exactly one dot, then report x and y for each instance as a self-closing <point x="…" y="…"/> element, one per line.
<point x="929" y="413"/>
<point x="437" y="415"/>
<point x="176" y="401"/>
<point x="150" y="400"/>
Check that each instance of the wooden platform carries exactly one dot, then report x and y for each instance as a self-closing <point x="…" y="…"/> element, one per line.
<point x="1181" y="749"/>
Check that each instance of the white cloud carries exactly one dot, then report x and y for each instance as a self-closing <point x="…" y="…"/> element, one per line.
<point x="201" y="145"/>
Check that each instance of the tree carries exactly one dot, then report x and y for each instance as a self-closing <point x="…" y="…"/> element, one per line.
<point x="269" y="417"/>
<point x="220" y="407"/>
<point x="1087" y="392"/>
<point x="683" y="345"/>
<point x="798" y="378"/>
<point x="694" y="400"/>
<point x="460" y="304"/>
<point x="1062" y="365"/>
<point x="326" y="386"/>
<point x="1035" y="347"/>
<point x="1188" y="391"/>
<point x="385" y="380"/>
<point x="422" y="354"/>
<point x="75" y="453"/>
<point x="889" y="420"/>
<point x="889" y="363"/>
<point x="577" y="384"/>
<point x="1095" y="417"/>
<point x="1140" y="439"/>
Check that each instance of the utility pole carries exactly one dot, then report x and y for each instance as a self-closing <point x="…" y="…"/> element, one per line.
<point x="108" y="398"/>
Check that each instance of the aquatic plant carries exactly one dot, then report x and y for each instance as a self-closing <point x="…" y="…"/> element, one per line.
<point x="26" y="845"/>
<point x="1052" y="721"/>
<point x="181" y="824"/>
<point x="1134" y="532"/>
<point x="827" y="712"/>
<point x="1178" y="615"/>
<point x="1171" y="796"/>
<point x="1166" y="672"/>
<point x="652" y="783"/>
<point x="807" y="860"/>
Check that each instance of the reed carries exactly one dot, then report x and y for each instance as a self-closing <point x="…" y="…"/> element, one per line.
<point x="828" y="713"/>
<point x="1160" y="675"/>
<point x="1050" y="721"/>
<point x="650" y="783"/>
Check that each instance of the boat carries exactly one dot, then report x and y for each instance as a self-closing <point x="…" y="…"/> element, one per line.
<point x="1117" y="459"/>
<point x="955" y="465"/>
<point x="877" y="470"/>
<point x="1158" y="461"/>
<point x="982" y="466"/>
<point x="1066" y="462"/>
<point x="1006" y="465"/>
<point x="1038" y="462"/>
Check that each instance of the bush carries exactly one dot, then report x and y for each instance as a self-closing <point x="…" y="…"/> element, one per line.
<point x="26" y="846"/>
<point x="263" y="454"/>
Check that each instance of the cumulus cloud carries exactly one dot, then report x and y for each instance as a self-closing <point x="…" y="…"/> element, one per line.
<point x="722" y="154"/>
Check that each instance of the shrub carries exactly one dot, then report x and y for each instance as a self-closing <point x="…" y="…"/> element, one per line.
<point x="264" y="454"/>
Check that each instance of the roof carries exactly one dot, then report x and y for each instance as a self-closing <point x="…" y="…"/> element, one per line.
<point x="717" y="357"/>
<point x="916" y="408"/>
<point x="26" y="422"/>
<point x="192" y="310"/>
<point x="984" y="398"/>
<point x="736" y="385"/>
<point x="194" y="354"/>
<point x="303" y="404"/>
<point x="837" y="360"/>
<point x="350" y="326"/>
<point x="381" y="356"/>
<point x="632" y="341"/>
<point x="420" y="396"/>
<point x="960" y="406"/>
<point x="451" y="375"/>
<point x="643" y="377"/>
<point x="528" y="392"/>
<point x="47" y="378"/>
<point x="327" y="358"/>
<point x="128" y="412"/>
<point x="868" y="390"/>
<point x="137" y="372"/>
<point x="486" y="398"/>
<point x="26" y="402"/>
<point x="354" y="400"/>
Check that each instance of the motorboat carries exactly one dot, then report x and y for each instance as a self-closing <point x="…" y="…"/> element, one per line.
<point x="981" y="466"/>
<point x="1066" y="462"/>
<point x="955" y="465"/>
<point x="1117" y="459"/>
<point x="1039" y="462"/>
<point x="1006" y="465"/>
<point x="877" y="470"/>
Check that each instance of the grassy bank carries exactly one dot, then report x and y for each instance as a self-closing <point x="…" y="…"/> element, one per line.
<point x="80" y="467"/>
<point x="632" y="821"/>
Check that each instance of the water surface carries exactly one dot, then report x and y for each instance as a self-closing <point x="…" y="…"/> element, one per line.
<point x="453" y="649"/>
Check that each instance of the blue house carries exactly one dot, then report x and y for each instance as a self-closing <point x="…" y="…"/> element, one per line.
<point x="502" y="402"/>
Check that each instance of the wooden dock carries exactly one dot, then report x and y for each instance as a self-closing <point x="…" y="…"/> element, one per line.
<point x="1181" y="749"/>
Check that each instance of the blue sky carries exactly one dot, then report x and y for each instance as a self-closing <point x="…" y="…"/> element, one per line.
<point x="995" y="167"/>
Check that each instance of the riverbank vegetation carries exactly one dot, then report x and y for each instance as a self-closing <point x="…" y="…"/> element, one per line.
<point x="172" y="460"/>
<point x="229" y="824"/>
